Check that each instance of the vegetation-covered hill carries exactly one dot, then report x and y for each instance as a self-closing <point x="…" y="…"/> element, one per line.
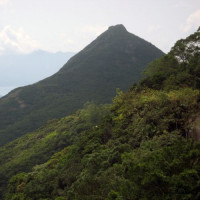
<point x="37" y="147"/>
<point x="141" y="150"/>
<point x="114" y="60"/>
<point x="179" y="68"/>
<point x="137" y="153"/>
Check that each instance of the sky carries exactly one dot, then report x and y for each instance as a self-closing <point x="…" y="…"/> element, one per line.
<point x="69" y="25"/>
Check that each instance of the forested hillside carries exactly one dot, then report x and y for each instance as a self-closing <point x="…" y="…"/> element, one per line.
<point x="37" y="147"/>
<point x="114" y="60"/>
<point x="142" y="149"/>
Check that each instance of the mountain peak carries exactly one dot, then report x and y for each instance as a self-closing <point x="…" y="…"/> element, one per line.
<point x="113" y="33"/>
<point x="115" y="59"/>
<point x="118" y="27"/>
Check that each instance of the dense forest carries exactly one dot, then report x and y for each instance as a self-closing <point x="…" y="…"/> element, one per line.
<point x="114" y="60"/>
<point x="142" y="146"/>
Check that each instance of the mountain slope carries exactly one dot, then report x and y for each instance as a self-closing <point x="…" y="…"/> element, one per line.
<point x="35" y="148"/>
<point x="18" y="70"/>
<point x="114" y="60"/>
<point x="141" y="149"/>
<point x="137" y="153"/>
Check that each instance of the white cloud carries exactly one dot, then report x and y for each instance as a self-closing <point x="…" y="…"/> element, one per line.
<point x="97" y="30"/>
<point x="16" y="41"/>
<point x="4" y="2"/>
<point x="180" y="4"/>
<point x="153" y="28"/>
<point x="193" y="21"/>
<point x="66" y="39"/>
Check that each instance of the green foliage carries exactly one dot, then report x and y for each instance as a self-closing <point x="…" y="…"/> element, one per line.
<point x="115" y="59"/>
<point x="138" y="152"/>
<point x="37" y="147"/>
<point x="180" y="68"/>
<point x="141" y="150"/>
<point x="166" y="172"/>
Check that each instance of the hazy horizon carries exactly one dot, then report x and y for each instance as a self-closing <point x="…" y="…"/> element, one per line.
<point x="68" y="26"/>
<point x="19" y="70"/>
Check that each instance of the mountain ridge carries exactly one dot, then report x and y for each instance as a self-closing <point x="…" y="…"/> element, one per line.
<point x="139" y="147"/>
<point x="114" y="60"/>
